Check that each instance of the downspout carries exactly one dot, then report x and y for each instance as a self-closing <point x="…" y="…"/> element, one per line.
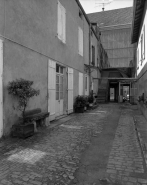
<point x="90" y="83"/>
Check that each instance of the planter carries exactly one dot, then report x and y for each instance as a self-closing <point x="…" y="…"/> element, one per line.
<point x="23" y="131"/>
<point x="79" y="109"/>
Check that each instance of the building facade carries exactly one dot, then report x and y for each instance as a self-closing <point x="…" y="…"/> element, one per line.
<point x="115" y="27"/>
<point x="53" y="44"/>
<point x="139" y="33"/>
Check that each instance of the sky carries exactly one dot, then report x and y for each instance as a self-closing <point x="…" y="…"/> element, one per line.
<point x="96" y="5"/>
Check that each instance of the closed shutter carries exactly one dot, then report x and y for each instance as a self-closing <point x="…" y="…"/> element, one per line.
<point x="1" y="88"/>
<point x="64" y="24"/>
<point x="70" y="90"/>
<point x="144" y="42"/>
<point x="80" y="83"/>
<point x="59" y="21"/>
<point x="80" y="35"/>
<point x="52" y="89"/>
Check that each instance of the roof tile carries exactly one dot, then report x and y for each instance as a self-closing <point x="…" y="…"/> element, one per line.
<point x="112" y="17"/>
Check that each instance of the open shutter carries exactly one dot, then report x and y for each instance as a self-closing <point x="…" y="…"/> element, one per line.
<point x="80" y="83"/>
<point x="70" y="90"/>
<point x="1" y="88"/>
<point x="59" y="21"/>
<point x="52" y="89"/>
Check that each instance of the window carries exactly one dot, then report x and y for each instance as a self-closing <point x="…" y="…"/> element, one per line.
<point x="86" y="85"/>
<point x="61" y="23"/>
<point x="80" y="14"/>
<point x="137" y="58"/>
<point x="80" y="32"/>
<point x="93" y="56"/>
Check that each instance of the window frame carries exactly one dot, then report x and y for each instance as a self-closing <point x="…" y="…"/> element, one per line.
<point x="61" y="22"/>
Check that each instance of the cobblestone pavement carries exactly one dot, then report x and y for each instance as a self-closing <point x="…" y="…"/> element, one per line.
<point x="126" y="164"/>
<point x="49" y="157"/>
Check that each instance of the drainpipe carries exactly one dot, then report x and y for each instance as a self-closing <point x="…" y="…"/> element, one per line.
<point x="90" y="83"/>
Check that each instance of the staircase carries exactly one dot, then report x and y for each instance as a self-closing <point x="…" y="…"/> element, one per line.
<point x="102" y="92"/>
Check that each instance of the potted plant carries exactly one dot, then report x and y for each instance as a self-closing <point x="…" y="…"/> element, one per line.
<point x="22" y="90"/>
<point x="80" y="104"/>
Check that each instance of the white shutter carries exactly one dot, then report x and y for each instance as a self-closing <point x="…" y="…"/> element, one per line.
<point x="52" y="89"/>
<point x="80" y="83"/>
<point x="80" y="35"/>
<point x="70" y="90"/>
<point x="81" y="42"/>
<point x="1" y="88"/>
<point x="64" y="24"/>
<point x="59" y="21"/>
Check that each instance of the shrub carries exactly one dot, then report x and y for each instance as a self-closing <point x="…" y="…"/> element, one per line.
<point x="22" y="90"/>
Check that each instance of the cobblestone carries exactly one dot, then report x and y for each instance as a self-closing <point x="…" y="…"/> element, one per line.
<point x="49" y="157"/>
<point x="125" y="157"/>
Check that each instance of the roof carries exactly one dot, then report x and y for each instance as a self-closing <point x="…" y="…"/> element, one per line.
<point x="121" y="16"/>
<point x="138" y="10"/>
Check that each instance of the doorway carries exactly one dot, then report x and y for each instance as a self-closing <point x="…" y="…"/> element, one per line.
<point x="112" y="94"/>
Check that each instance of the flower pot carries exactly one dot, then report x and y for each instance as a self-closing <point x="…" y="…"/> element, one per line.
<point x="23" y="131"/>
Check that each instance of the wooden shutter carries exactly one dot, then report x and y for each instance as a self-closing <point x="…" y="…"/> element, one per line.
<point x="1" y="88"/>
<point x="70" y="90"/>
<point x="79" y="49"/>
<point x="144" y="42"/>
<point x="64" y="24"/>
<point x="80" y="83"/>
<point x="93" y="55"/>
<point x="59" y="21"/>
<point x="80" y="36"/>
<point x="137" y="57"/>
<point x="51" y="89"/>
<point x="81" y="41"/>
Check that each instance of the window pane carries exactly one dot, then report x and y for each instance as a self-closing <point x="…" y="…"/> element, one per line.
<point x="57" y="95"/>
<point x="61" y="70"/>
<point x="61" y="87"/>
<point x="61" y="95"/>
<point x="57" y="79"/>
<point x="57" y="87"/>
<point x="61" y="80"/>
<point x="57" y="68"/>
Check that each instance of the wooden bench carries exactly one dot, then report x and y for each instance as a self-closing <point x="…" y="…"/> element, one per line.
<point x="36" y="115"/>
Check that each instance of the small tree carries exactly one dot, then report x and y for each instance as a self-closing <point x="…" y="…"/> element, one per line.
<point x="22" y="90"/>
